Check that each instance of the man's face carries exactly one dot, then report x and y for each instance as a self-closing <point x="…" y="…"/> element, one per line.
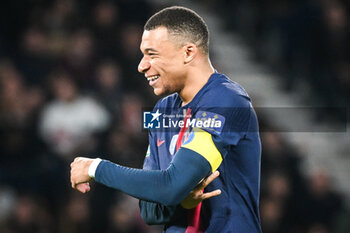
<point x="163" y="62"/>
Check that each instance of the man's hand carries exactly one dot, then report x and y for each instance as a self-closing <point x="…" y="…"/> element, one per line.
<point x="197" y="195"/>
<point x="79" y="174"/>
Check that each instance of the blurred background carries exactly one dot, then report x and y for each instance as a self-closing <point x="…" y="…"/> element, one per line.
<point x="69" y="87"/>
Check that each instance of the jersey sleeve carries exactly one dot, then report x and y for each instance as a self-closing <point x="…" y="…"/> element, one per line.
<point x="219" y="128"/>
<point x="201" y="142"/>
<point x="231" y="116"/>
<point x="168" y="187"/>
<point x="154" y="213"/>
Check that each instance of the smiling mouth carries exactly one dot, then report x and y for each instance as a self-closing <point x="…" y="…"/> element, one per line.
<point x="153" y="77"/>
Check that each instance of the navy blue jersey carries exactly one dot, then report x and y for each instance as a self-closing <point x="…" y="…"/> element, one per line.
<point x="237" y="140"/>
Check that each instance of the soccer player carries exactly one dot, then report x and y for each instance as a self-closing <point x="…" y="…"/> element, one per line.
<point x="223" y="135"/>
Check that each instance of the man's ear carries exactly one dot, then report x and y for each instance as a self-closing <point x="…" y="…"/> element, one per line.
<point x="190" y="52"/>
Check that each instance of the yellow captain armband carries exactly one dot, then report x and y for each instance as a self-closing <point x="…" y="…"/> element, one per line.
<point x="201" y="142"/>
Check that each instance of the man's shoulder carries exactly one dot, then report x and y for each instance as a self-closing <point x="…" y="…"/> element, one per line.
<point x="227" y="87"/>
<point x="222" y="91"/>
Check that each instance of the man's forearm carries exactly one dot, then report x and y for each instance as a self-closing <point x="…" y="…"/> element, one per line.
<point x="168" y="187"/>
<point x="154" y="213"/>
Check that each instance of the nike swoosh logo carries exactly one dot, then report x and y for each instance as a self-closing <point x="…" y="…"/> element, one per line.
<point x="159" y="143"/>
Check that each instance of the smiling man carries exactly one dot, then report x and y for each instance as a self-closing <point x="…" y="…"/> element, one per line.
<point x="175" y="45"/>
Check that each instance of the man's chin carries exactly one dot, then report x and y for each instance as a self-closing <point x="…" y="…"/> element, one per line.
<point x="157" y="91"/>
<point x="160" y="91"/>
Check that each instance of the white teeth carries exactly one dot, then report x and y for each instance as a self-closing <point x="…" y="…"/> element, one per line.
<point x="154" y="77"/>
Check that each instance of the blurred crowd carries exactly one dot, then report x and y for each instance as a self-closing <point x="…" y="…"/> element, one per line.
<point x="297" y="201"/>
<point x="302" y="40"/>
<point x="69" y="86"/>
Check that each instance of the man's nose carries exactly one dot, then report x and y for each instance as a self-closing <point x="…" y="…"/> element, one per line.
<point x="144" y="65"/>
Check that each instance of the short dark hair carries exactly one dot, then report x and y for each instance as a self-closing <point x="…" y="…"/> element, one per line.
<point x="183" y="22"/>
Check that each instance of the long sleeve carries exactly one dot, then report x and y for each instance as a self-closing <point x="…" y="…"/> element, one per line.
<point x="154" y="213"/>
<point x="168" y="187"/>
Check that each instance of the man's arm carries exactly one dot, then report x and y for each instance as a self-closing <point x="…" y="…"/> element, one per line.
<point x="168" y="186"/>
<point x="155" y="213"/>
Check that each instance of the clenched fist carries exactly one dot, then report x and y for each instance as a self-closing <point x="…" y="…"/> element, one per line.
<point x="79" y="174"/>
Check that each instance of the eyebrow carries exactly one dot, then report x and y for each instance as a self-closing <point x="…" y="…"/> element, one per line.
<point x="147" y="50"/>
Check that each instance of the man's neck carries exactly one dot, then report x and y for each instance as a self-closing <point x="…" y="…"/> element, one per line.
<point x="197" y="77"/>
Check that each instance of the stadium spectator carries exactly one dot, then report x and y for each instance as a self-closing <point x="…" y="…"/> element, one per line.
<point x="108" y="86"/>
<point x="70" y="120"/>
